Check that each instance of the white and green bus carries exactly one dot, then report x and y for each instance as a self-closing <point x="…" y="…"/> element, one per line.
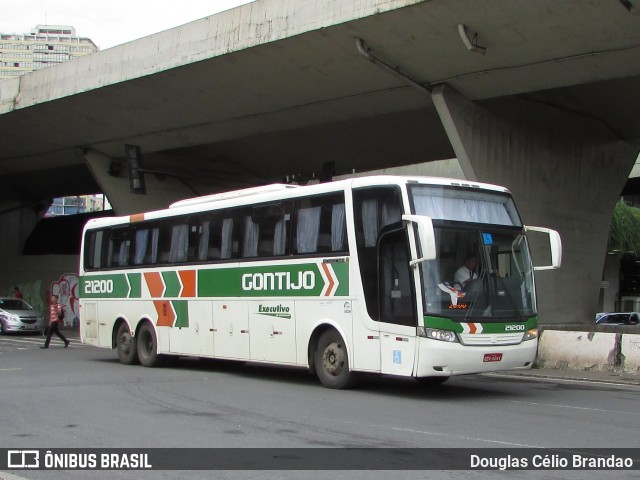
<point x="351" y="276"/>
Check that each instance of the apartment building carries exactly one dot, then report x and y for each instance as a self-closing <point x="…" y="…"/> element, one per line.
<point x="46" y="45"/>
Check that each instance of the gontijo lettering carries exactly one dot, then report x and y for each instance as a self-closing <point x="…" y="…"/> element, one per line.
<point x="305" y="280"/>
<point x="98" y="286"/>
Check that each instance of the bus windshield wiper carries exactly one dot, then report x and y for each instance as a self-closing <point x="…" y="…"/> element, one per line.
<point x="510" y="299"/>
<point x="472" y="305"/>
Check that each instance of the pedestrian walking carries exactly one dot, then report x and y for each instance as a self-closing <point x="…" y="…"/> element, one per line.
<point x="17" y="293"/>
<point x="56" y="314"/>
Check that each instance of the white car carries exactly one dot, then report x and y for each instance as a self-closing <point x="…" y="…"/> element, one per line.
<point x="617" y="318"/>
<point x="16" y="315"/>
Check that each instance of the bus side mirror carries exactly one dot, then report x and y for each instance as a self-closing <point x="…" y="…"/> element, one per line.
<point x="554" y="242"/>
<point x="426" y="237"/>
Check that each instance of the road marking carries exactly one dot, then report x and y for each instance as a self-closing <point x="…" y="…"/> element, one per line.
<point x="573" y="407"/>
<point x="9" y="369"/>
<point x="459" y="437"/>
<point x="465" y="437"/>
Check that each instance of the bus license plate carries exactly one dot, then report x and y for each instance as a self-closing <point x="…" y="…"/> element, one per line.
<point x="492" y="357"/>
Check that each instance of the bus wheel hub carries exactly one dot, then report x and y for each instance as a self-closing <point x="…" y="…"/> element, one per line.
<point x="333" y="360"/>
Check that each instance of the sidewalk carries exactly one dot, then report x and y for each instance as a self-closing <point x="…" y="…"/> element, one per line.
<point x="622" y="378"/>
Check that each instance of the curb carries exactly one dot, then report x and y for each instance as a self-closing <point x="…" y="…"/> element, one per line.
<point x="618" y="378"/>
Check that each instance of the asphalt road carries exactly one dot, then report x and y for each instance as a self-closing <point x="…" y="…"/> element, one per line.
<point x="83" y="397"/>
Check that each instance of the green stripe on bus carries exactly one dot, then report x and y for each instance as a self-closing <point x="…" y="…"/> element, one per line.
<point x="135" y="282"/>
<point x="182" y="313"/>
<point x="274" y="281"/>
<point x="342" y="272"/>
<point x="104" y="286"/>
<point x="487" y="327"/>
<point x="172" y="283"/>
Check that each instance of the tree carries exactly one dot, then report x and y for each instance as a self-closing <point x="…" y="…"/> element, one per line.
<point x="624" y="233"/>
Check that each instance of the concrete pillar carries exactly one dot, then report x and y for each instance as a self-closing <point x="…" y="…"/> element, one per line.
<point x="161" y="190"/>
<point x="17" y="221"/>
<point x="565" y="171"/>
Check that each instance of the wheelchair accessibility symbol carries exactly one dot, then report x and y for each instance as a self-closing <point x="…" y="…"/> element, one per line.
<point x="397" y="356"/>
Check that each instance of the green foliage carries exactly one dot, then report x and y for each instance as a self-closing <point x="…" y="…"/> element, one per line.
<point x="624" y="233"/>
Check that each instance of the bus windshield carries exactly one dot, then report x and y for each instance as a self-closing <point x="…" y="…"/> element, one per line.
<point x="469" y="206"/>
<point x="483" y="268"/>
<point x="480" y="273"/>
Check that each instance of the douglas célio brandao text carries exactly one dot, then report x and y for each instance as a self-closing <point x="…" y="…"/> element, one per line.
<point x="554" y="461"/>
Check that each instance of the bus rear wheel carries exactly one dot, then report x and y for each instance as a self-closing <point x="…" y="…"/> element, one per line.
<point x="126" y="345"/>
<point x="148" y="347"/>
<point x="332" y="361"/>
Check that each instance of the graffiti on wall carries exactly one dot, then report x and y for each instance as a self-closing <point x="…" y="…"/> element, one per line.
<point x="66" y="288"/>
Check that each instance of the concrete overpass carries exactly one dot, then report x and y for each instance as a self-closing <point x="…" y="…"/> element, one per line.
<point x="538" y="96"/>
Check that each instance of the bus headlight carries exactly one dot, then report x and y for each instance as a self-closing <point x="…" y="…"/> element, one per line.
<point x="437" y="334"/>
<point x="530" y="334"/>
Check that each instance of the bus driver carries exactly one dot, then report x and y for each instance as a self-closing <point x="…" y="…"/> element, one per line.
<point x="466" y="273"/>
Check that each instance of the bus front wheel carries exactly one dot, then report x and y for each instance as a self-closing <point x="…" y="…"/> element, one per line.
<point x="126" y="345"/>
<point x="332" y="361"/>
<point x="148" y="346"/>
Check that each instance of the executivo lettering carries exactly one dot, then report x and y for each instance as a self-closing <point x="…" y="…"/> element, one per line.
<point x="276" y="281"/>
<point x="279" y="311"/>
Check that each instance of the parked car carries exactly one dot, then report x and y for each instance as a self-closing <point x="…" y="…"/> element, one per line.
<point x="16" y="315"/>
<point x="617" y="318"/>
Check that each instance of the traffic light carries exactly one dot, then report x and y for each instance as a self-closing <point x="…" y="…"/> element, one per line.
<point x="133" y="156"/>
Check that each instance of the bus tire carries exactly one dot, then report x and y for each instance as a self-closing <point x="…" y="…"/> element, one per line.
<point x="431" y="380"/>
<point x="332" y="361"/>
<point x="148" y="346"/>
<point x="126" y="345"/>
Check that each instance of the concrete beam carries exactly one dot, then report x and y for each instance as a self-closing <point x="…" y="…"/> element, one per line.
<point x="565" y="171"/>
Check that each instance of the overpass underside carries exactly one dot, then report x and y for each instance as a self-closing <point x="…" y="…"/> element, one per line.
<point x="280" y="88"/>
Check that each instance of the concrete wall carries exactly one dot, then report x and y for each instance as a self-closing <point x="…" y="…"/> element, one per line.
<point x="17" y="221"/>
<point x="449" y="168"/>
<point x="565" y="171"/>
<point x="592" y="350"/>
<point x="34" y="274"/>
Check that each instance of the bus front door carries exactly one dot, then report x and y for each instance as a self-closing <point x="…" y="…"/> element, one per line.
<point x="397" y="300"/>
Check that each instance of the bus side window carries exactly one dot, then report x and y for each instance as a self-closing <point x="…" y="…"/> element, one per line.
<point x="229" y="241"/>
<point x="273" y="228"/>
<point x="307" y="229"/>
<point x="164" y="243"/>
<point x="118" y="250"/>
<point x="215" y="235"/>
<point x="179" y="243"/>
<point x="320" y="225"/>
<point x="93" y="250"/>
<point x="140" y="246"/>
<point x="204" y="231"/>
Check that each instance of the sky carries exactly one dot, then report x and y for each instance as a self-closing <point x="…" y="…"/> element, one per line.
<point x="109" y="22"/>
